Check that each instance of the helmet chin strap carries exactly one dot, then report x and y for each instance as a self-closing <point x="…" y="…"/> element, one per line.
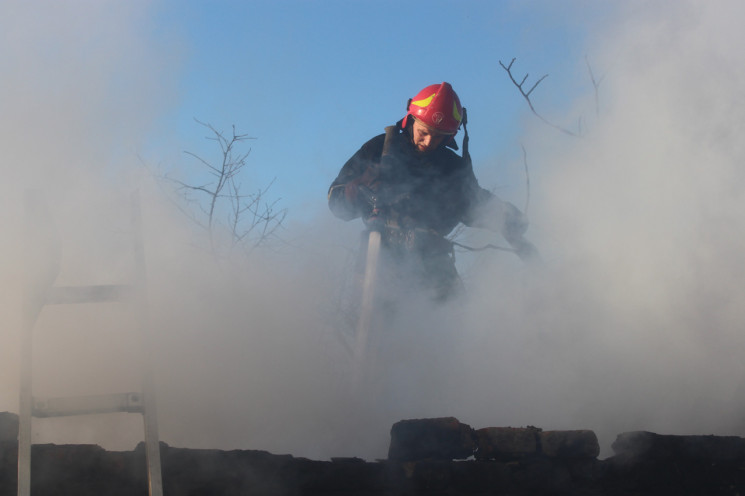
<point x="466" y="155"/>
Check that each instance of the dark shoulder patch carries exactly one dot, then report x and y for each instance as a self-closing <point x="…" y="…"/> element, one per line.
<point x="373" y="147"/>
<point x="451" y="160"/>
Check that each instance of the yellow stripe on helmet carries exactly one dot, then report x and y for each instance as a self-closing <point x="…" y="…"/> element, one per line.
<point x="424" y="102"/>
<point x="456" y="114"/>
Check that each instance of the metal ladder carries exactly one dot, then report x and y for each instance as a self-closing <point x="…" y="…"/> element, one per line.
<point x="45" y="293"/>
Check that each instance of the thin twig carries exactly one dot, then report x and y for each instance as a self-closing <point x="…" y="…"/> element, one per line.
<point x="526" y="96"/>
<point x="250" y="220"/>
<point x="595" y="85"/>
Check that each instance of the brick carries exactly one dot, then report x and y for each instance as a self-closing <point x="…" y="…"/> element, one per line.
<point x="506" y="442"/>
<point x="438" y="438"/>
<point x="569" y="444"/>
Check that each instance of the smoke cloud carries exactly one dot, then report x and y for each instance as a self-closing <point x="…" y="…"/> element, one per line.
<point x="636" y="325"/>
<point x="634" y="322"/>
<point x="82" y="84"/>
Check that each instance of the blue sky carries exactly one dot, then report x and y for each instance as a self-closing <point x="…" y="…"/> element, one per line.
<point x="313" y="80"/>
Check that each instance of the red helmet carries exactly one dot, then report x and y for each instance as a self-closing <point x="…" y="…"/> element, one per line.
<point x="438" y="107"/>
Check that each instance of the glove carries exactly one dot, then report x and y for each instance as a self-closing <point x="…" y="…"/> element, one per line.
<point x="369" y="179"/>
<point x="515" y="224"/>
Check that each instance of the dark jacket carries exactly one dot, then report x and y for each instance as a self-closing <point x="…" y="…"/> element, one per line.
<point x="434" y="191"/>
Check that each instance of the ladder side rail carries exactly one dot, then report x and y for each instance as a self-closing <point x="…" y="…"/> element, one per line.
<point x="25" y="410"/>
<point x="150" y="417"/>
<point x="43" y="253"/>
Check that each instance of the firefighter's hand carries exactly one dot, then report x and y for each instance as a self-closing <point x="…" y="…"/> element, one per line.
<point x="367" y="196"/>
<point x="369" y="179"/>
<point x="515" y="224"/>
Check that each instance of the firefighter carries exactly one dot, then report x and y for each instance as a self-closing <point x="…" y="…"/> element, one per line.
<point x="419" y="190"/>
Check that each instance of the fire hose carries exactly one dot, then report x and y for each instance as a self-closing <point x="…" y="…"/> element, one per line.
<point x="371" y="268"/>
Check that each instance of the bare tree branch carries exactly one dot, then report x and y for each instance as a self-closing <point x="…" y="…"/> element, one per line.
<point x="526" y="96"/>
<point x="250" y="220"/>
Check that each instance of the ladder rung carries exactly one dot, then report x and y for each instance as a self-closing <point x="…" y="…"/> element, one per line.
<point x="82" y="405"/>
<point x="60" y="295"/>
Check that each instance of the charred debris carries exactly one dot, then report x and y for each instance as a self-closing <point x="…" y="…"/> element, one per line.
<point x="440" y="456"/>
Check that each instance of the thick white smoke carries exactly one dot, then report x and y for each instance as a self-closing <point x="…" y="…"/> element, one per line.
<point x="82" y="83"/>
<point x="633" y="324"/>
<point x="637" y="324"/>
